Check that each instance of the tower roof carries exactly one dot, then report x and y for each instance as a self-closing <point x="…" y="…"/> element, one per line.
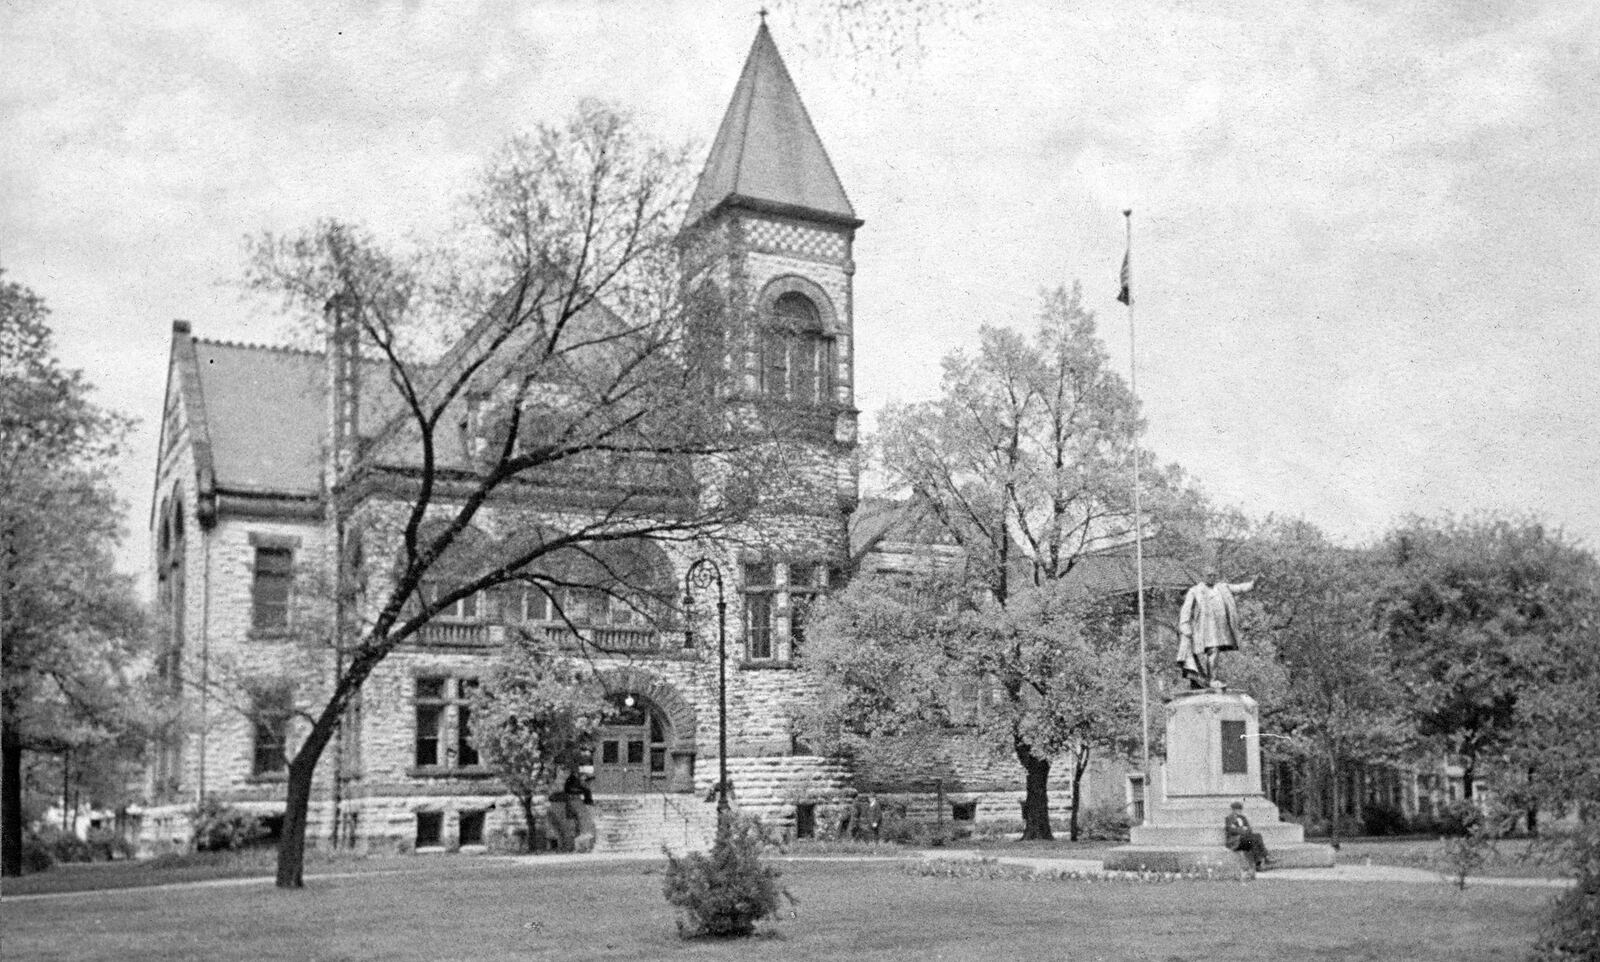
<point x="767" y="154"/>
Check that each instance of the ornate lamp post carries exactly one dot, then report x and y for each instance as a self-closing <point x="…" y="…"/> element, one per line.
<point x="702" y="574"/>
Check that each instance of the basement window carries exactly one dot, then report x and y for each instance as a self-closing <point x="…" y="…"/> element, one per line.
<point x="430" y="829"/>
<point x="471" y="828"/>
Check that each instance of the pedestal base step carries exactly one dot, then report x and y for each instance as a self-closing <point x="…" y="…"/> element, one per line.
<point x="1197" y="858"/>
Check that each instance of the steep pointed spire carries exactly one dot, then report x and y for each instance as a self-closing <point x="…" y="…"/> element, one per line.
<point x="767" y="154"/>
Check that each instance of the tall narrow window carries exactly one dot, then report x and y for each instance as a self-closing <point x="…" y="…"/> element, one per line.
<point x="430" y="718"/>
<point x="808" y="581"/>
<point x="466" y="753"/>
<point x="269" y="594"/>
<point x="796" y="353"/>
<point x="270" y="724"/>
<point x="444" y="723"/>
<point x="758" y="608"/>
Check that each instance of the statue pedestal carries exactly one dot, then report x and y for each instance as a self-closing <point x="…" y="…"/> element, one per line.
<point x="1213" y="760"/>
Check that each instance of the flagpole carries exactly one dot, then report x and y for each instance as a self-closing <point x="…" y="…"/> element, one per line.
<point x="1138" y="518"/>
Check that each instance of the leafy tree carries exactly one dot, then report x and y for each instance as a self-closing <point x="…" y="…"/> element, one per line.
<point x="1340" y="699"/>
<point x="1023" y="462"/>
<point x="69" y="628"/>
<point x="562" y="338"/>
<point x="1550" y="759"/>
<point x="531" y="718"/>
<point x="901" y="658"/>
<point x="1488" y="618"/>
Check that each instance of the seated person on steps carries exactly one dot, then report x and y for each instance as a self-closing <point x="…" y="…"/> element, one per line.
<point x="1241" y="839"/>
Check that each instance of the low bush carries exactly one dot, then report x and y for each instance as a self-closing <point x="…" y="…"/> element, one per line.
<point x="727" y="892"/>
<point x="1454" y="819"/>
<point x="63" y="846"/>
<point x="106" y="844"/>
<point x="1571" y="930"/>
<point x="219" y="827"/>
<point x="997" y="830"/>
<point x="36" y="855"/>
<point x="1104" y="823"/>
<point x="1384" y="820"/>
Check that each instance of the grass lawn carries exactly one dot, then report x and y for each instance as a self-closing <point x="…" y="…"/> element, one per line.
<point x="1510" y="858"/>
<point x="191" y="867"/>
<point x="483" y="909"/>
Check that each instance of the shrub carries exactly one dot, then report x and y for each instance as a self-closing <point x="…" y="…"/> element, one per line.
<point x="1105" y="823"/>
<point x="1456" y="818"/>
<point x="726" y="893"/>
<point x="219" y="827"/>
<point x="63" y="845"/>
<point x="1383" y="820"/>
<point x="36" y="856"/>
<point x="1571" y="930"/>
<point x="107" y="844"/>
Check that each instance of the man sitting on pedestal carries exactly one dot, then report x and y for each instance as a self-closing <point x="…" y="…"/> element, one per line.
<point x="1241" y="839"/>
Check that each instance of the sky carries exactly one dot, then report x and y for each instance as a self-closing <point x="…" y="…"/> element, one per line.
<point x="1366" y="234"/>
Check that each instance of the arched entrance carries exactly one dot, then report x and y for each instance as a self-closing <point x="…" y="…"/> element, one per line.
<point x="631" y="748"/>
<point x="648" y="744"/>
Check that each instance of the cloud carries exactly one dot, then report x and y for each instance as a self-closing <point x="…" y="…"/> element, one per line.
<point x="1365" y="262"/>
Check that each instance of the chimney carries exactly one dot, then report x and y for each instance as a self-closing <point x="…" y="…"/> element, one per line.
<point x="344" y="382"/>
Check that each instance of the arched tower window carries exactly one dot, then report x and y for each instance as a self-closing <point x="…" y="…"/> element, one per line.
<point x="797" y="353"/>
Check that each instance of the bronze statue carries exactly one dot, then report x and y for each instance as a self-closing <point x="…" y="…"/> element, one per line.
<point x="1207" y="626"/>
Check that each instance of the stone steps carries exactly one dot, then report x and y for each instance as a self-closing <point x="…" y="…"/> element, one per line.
<point x="645" y="824"/>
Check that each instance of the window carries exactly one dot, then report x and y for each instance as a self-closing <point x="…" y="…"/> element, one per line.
<point x="430" y="829"/>
<point x="758" y="608"/>
<point x="796" y="356"/>
<point x="466" y="754"/>
<point x="462" y="609"/>
<point x="270" y="590"/>
<point x="808" y="581"/>
<point x="805" y="820"/>
<point x="270" y="729"/>
<point x="471" y="831"/>
<point x="444" y="723"/>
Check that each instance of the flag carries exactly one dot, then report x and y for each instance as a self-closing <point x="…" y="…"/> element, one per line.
<point x="1126" y="295"/>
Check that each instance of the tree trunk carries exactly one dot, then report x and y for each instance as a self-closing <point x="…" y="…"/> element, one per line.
<point x="1469" y="768"/>
<point x="10" y="802"/>
<point x="292" y="843"/>
<point x="1080" y="764"/>
<point x="1036" y="801"/>
<point x="527" y="815"/>
<point x="1334" y="786"/>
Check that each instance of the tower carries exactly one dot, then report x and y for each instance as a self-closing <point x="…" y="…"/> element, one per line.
<point x="770" y="207"/>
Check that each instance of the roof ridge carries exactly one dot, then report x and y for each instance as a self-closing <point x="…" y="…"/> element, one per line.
<point x="250" y="346"/>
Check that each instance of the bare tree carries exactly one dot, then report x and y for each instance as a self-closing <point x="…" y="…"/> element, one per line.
<point x="560" y="350"/>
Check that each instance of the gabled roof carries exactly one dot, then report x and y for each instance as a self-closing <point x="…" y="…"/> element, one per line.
<point x="266" y="412"/>
<point x="767" y="155"/>
<point x="887" y="525"/>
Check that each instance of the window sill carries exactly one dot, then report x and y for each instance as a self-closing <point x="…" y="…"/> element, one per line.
<point x="271" y="634"/>
<point x="268" y="778"/>
<point x="447" y="771"/>
<point x="764" y="664"/>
